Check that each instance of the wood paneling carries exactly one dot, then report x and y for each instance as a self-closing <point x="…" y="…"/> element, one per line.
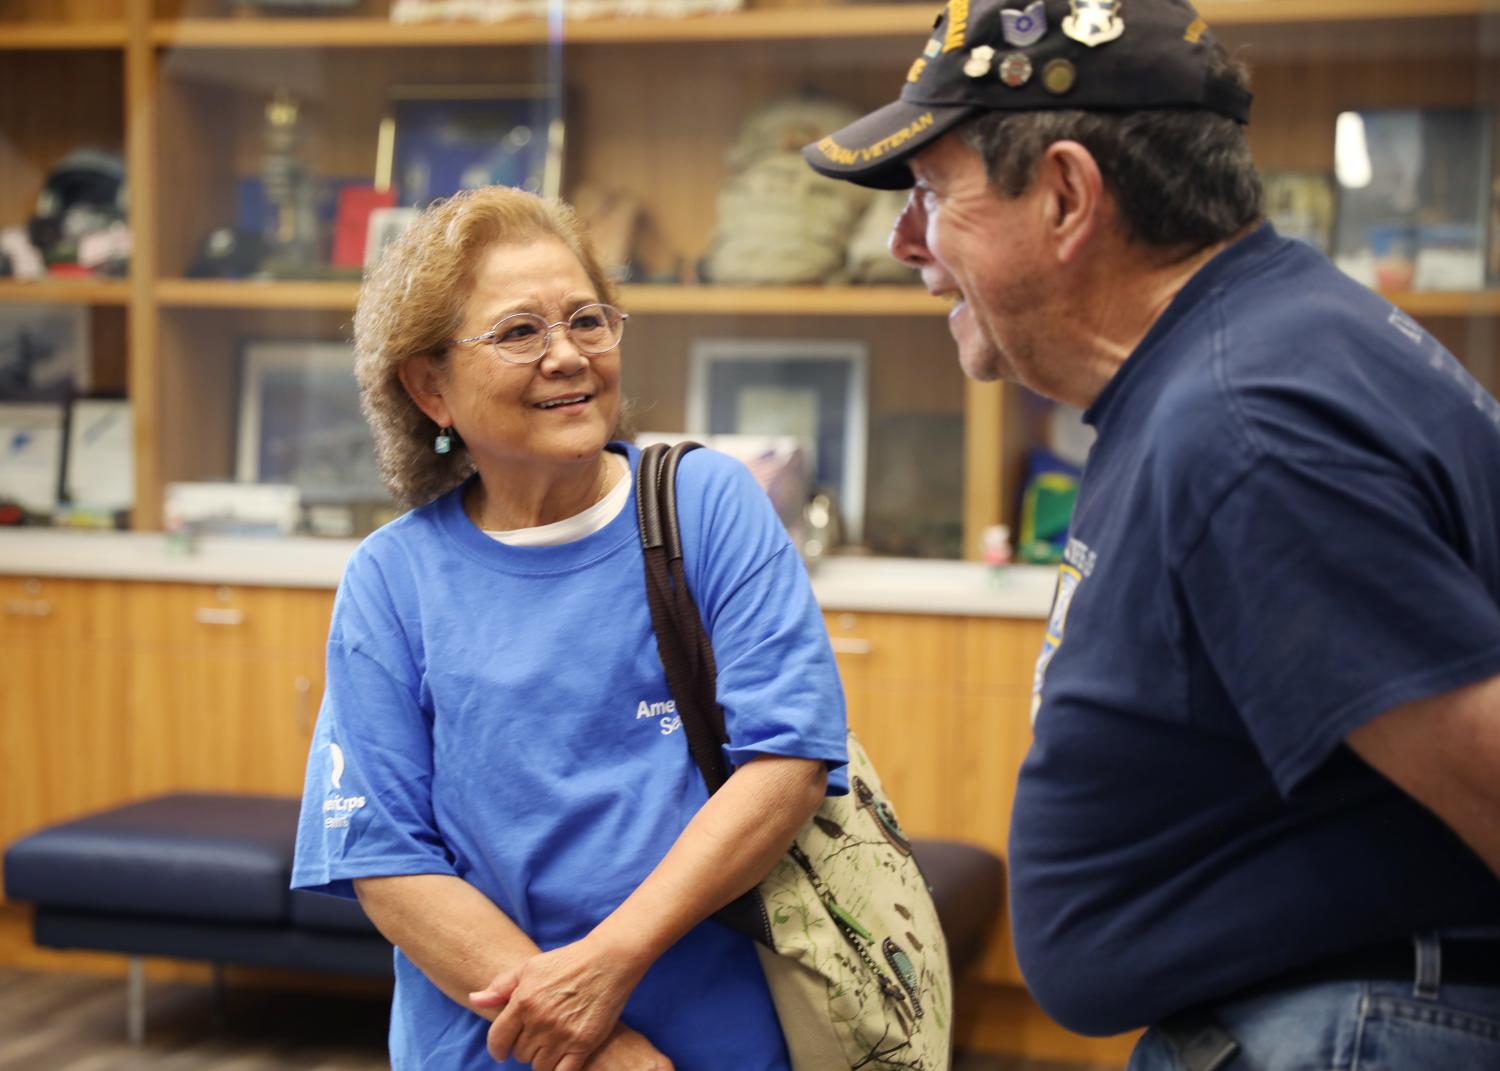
<point x="112" y="691"/>
<point x="224" y="686"/>
<point x="942" y="705"/>
<point x="63" y="728"/>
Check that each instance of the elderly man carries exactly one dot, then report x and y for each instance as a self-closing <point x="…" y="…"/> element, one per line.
<point x="1261" y="813"/>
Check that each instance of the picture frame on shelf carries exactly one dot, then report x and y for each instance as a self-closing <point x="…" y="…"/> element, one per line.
<point x="300" y="424"/>
<point x="44" y="351"/>
<point x="383" y="227"/>
<point x="1301" y="205"/>
<point x="1414" y="196"/>
<point x="437" y="140"/>
<point x="813" y="390"/>
<point x="98" y="470"/>
<point x="31" y="454"/>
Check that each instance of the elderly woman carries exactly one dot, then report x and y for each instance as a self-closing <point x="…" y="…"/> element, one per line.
<point x="498" y="774"/>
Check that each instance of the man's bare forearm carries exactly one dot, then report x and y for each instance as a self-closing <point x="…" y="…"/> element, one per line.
<point x="457" y="937"/>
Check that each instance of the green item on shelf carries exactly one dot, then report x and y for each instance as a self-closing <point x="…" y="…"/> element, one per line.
<point x="1046" y="510"/>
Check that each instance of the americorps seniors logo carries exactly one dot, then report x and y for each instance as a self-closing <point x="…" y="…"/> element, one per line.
<point x="337" y="807"/>
<point x="336" y="754"/>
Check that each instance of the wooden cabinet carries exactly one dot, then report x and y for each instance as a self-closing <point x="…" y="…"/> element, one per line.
<point x="224" y="686"/>
<point x="195" y="77"/>
<point x="116" y="690"/>
<point x="942" y="704"/>
<point x="63" y="729"/>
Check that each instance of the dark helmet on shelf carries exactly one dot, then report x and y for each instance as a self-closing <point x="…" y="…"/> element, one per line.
<point x="84" y="192"/>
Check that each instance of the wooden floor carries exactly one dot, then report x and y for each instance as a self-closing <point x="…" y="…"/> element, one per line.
<point x="52" y="1021"/>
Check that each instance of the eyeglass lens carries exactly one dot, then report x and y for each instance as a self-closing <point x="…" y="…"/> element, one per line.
<point x="593" y="329"/>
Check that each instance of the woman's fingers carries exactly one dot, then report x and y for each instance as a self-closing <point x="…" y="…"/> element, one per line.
<point x="503" y="1033"/>
<point x="497" y="992"/>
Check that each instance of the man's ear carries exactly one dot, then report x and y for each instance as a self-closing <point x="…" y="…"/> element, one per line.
<point x="423" y="379"/>
<point x="1076" y="202"/>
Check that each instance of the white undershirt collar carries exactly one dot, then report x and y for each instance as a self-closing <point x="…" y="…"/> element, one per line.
<point x="576" y="527"/>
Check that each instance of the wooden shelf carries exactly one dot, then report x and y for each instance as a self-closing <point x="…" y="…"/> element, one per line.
<point x="674" y="300"/>
<point x="65" y="292"/>
<point x="670" y="300"/>
<point x="891" y="20"/>
<point x="1420" y="303"/>
<point x="254" y="294"/>
<point x="801" y="23"/>
<point x="62" y="35"/>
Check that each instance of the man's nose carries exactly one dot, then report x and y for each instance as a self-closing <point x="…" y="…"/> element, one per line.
<point x="908" y="237"/>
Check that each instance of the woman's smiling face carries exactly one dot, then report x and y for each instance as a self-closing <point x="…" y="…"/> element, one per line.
<point x="563" y="407"/>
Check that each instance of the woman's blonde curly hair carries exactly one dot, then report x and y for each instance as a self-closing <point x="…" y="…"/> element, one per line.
<point x="412" y="303"/>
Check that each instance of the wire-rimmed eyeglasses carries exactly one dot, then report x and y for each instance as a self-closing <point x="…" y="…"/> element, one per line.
<point x="523" y="337"/>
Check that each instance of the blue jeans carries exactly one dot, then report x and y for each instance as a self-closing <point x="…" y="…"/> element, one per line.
<point x="1418" y="1025"/>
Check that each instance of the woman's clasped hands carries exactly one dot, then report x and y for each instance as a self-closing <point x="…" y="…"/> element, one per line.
<point x="560" y="1011"/>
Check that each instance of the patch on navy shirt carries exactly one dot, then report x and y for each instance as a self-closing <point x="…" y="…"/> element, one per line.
<point x="1068" y="579"/>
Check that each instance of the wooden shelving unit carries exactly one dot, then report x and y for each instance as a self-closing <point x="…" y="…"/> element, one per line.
<point x="194" y="90"/>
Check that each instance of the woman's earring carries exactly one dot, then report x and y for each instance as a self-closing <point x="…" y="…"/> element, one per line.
<point x="444" y="441"/>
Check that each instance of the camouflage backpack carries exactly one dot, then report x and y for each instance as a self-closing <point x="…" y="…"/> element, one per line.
<point x="845" y="925"/>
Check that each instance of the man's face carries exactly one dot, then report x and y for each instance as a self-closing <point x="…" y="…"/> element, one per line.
<point x="981" y="250"/>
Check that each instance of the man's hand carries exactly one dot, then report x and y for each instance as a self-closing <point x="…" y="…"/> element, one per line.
<point x="560" y="1006"/>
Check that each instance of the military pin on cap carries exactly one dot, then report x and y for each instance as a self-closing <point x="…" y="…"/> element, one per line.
<point x="1059" y="76"/>
<point x="1015" y="70"/>
<point x="1093" y="22"/>
<point x="1025" y="27"/>
<point x="978" y="63"/>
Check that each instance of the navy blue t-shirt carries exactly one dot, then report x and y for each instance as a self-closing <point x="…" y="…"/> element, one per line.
<point x="1289" y="524"/>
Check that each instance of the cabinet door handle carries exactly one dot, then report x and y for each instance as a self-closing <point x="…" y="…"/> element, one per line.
<point x="28" y="608"/>
<point x="218" y="615"/>
<point x="303" y="687"/>
<point x="851" y="645"/>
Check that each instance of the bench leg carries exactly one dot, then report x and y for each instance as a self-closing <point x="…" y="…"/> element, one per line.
<point x="220" y="995"/>
<point x="135" y="1000"/>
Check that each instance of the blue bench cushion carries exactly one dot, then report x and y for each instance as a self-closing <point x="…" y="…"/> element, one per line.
<point x="189" y="855"/>
<point x="968" y="890"/>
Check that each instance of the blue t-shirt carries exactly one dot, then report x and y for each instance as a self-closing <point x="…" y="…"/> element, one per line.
<point x="1289" y="524"/>
<point x="500" y="713"/>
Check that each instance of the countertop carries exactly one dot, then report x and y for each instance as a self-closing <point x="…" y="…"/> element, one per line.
<point x="891" y="585"/>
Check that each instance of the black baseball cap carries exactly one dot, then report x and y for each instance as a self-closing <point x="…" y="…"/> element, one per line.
<point x="1031" y="55"/>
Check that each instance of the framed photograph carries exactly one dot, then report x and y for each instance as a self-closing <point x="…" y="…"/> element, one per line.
<point x="97" y="469"/>
<point x="31" y="452"/>
<point x="1414" y="197"/>
<point x="300" y="423"/>
<point x="1300" y="205"/>
<point x="812" y="391"/>
<point x="383" y="227"/>
<point x="436" y="140"/>
<point x="44" y="351"/>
